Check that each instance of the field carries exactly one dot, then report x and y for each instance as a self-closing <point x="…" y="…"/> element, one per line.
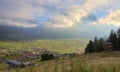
<point x="97" y="62"/>
<point x="57" y="45"/>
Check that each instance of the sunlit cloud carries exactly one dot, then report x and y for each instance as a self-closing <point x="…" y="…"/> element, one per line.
<point x="113" y="18"/>
<point x="60" y="13"/>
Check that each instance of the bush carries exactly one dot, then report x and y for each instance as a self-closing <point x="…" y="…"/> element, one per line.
<point x="45" y="57"/>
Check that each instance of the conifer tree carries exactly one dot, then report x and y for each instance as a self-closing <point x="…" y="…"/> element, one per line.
<point x="95" y="44"/>
<point x="89" y="48"/>
<point x="118" y="40"/>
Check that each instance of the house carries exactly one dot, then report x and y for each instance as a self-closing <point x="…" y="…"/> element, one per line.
<point x="14" y="63"/>
<point x="22" y="58"/>
<point x="57" y="55"/>
<point x="66" y="55"/>
<point x="108" y="46"/>
<point x="33" y="57"/>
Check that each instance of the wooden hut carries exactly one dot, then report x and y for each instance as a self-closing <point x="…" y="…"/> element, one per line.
<point x="108" y="46"/>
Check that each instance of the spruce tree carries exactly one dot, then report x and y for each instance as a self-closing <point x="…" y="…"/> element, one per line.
<point x="113" y="39"/>
<point x="95" y="44"/>
<point x="100" y="45"/>
<point x="118" y="40"/>
<point x="89" y="48"/>
<point x="115" y="42"/>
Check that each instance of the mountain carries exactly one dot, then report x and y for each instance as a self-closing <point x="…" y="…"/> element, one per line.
<point x="12" y="33"/>
<point x="18" y="33"/>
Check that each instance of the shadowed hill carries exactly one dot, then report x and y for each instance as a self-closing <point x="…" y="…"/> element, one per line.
<point x="12" y="33"/>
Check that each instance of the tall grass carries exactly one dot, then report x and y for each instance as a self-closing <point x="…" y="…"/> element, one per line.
<point x="55" y="69"/>
<point x="63" y="67"/>
<point x="72" y="67"/>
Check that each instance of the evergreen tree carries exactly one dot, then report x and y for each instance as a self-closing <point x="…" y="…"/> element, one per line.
<point x="100" y="45"/>
<point x="45" y="57"/>
<point x="118" y="40"/>
<point x="113" y="39"/>
<point x="115" y="42"/>
<point x="111" y="36"/>
<point x="95" y="44"/>
<point x="89" y="48"/>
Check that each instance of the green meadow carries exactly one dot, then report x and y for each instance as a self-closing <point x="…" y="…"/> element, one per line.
<point x="57" y="45"/>
<point x="96" y="62"/>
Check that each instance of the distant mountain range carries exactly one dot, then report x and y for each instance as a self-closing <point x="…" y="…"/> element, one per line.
<point x="12" y="33"/>
<point x="18" y="33"/>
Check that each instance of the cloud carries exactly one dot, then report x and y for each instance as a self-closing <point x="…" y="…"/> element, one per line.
<point x="60" y="13"/>
<point x="63" y="17"/>
<point x="59" y="21"/>
<point x="70" y="13"/>
<point x="20" y="23"/>
<point x="68" y="18"/>
<point x="96" y="4"/>
<point x="113" y="18"/>
<point x="13" y="9"/>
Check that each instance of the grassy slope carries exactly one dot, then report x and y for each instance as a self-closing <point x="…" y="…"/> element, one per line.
<point x="97" y="62"/>
<point x="59" y="45"/>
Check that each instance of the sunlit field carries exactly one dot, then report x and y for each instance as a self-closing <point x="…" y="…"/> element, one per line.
<point x="56" y="45"/>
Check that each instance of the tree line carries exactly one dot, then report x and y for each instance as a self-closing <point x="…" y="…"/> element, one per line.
<point x="97" y="45"/>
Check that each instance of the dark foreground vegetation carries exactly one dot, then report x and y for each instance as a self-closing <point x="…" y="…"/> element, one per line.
<point x="98" y="45"/>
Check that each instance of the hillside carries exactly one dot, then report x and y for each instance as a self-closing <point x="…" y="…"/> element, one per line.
<point x="96" y="62"/>
<point x="12" y="33"/>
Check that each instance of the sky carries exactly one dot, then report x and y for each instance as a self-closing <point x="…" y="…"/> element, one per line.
<point x="78" y="17"/>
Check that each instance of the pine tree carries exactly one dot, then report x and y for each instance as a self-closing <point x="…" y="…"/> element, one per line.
<point x="111" y="36"/>
<point x="89" y="48"/>
<point x="118" y="40"/>
<point x="95" y="44"/>
<point x="115" y="42"/>
<point x="100" y="45"/>
<point x="113" y="39"/>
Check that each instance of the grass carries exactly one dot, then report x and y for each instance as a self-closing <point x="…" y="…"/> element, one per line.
<point x="57" y="45"/>
<point x="75" y="67"/>
<point x="97" y="62"/>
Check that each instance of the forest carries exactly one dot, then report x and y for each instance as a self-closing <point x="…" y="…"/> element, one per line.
<point x="98" y="44"/>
